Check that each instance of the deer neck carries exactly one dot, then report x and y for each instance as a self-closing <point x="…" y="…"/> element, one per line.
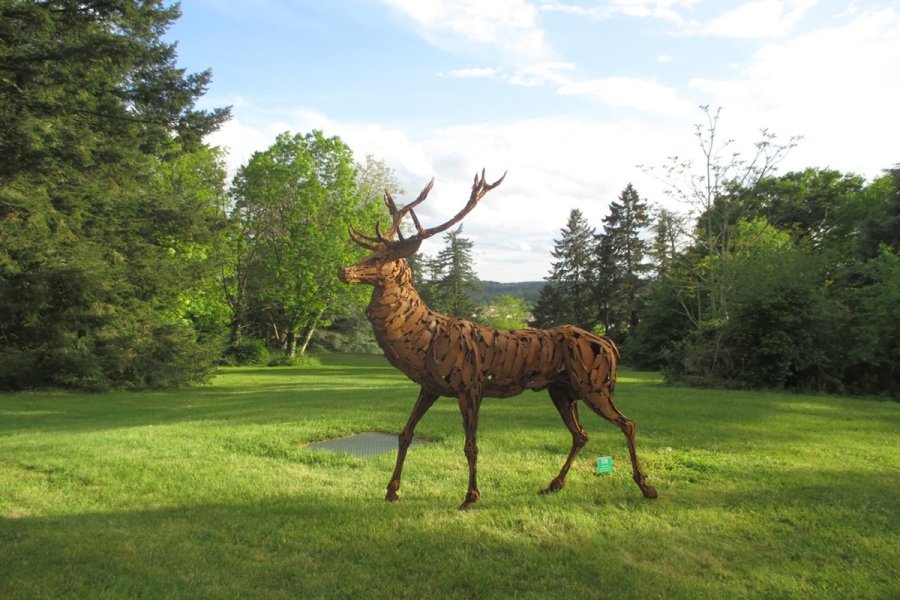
<point x="395" y="297"/>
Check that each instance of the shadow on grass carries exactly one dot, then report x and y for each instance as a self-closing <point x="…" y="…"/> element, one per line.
<point x="803" y="538"/>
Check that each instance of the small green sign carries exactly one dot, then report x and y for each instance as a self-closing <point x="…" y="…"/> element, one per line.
<point x="604" y="465"/>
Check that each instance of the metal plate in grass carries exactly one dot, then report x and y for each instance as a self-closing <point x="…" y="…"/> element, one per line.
<point x="367" y="443"/>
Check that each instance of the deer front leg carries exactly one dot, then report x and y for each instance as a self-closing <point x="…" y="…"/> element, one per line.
<point x="423" y="403"/>
<point x="469" y="403"/>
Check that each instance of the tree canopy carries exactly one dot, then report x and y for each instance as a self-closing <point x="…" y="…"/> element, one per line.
<point x="108" y="199"/>
<point x="293" y="205"/>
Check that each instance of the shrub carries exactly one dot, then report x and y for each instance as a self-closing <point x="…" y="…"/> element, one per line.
<point x="282" y="359"/>
<point x="249" y="351"/>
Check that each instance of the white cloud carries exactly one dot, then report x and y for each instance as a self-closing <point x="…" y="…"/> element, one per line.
<point x="660" y="9"/>
<point x="760" y="19"/>
<point x="541" y="73"/>
<point x="834" y="86"/>
<point x="507" y="25"/>
<point x="472" y="72"/>
<point x="256" y="132"/>
<point x="668" y="10"/>
<point x="554" y="164"/>
<point x="632" y="92"/>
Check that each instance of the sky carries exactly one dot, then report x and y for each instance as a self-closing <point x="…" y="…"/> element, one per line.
<point x="574" y="99"/>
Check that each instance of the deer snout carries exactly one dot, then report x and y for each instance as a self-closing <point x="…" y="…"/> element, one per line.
<point x="346" y="275"/>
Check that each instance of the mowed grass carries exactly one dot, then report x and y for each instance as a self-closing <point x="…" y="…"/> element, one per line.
<point x="209" y="493"/>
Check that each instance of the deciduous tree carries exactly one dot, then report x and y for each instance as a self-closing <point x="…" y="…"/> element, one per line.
<point x="294" y="202"/>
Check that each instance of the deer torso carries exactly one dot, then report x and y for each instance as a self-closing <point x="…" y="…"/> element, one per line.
<point x="448" y="355"/>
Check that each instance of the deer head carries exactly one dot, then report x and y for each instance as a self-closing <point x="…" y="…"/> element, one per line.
<point x="384" y="263"/>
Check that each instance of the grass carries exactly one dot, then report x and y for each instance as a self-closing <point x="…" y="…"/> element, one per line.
<point x="209" y="493"/>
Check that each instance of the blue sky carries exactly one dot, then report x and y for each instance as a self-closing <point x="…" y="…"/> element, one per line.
<point x="569" y="97"/>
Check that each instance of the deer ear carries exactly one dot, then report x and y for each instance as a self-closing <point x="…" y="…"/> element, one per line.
<point x="404" y="248"/>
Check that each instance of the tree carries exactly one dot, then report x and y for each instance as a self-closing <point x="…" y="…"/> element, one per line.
<point x="880" y="224"/>
<point x="621" y="271"/>
<point x="712" y="191"/>
<point x="453" y="278"/>
<point x="566" y="297"/>
<point x="102" y="229"/>
<point x="293" y="205"/>
<point x="815" y="206"/>
<point x="349" y="330"/>
<point x="668" y="229"/>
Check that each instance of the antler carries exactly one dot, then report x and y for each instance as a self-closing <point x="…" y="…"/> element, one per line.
<point x="480" y="187"/>
<point x="398" y="214"/>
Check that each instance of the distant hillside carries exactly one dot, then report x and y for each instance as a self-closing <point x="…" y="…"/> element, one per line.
<point x="529" y="290"/>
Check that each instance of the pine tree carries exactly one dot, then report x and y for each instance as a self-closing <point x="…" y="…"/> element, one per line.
<point x="566" y="297"/>
<point x="621" y="269"/>
<point x="666" y="232"/>
<point x="454" y="278"/>
<point x="108" y="199"/>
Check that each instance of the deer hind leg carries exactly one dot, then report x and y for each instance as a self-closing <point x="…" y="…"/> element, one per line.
<point x="601" y="403"/>
<point x="423" y="403"/>
<point x="469" y="405"/>
<point x="565" y="400"/>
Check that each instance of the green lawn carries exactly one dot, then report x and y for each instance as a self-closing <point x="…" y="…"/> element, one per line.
<point x="209" y="493"/>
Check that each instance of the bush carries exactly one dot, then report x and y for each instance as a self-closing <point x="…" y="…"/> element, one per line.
<point x="248" y="351"/>
<point x="282" y="359"/>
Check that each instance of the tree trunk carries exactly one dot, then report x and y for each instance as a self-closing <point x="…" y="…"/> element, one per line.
<point x="235" y="337"/>
<point x="310" y="333"/>
<point x="291" y="343"/>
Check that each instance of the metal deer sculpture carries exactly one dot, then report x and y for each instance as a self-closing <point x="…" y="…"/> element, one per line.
<point x="448" y="356"/>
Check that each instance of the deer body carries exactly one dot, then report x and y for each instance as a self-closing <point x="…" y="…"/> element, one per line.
<point x="416" y="340"/>
<point x="448" y="356"/>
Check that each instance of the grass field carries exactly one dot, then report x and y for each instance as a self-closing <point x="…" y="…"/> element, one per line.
<point x="209" y="493"/>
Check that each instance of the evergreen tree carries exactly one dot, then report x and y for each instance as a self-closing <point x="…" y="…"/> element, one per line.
<point x="108" y="200"/>
<point x="621" y="269"/>
<point x="454" y="278"/>
<point x="566" y="297"/>
<point x="666" y="233"/>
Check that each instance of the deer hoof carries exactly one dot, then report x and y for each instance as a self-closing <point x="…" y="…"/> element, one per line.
<point x="392" y="488"/>
<point x="649" y="492"/>
<point x="471" y="497"/>
<point x="554" y="486"/>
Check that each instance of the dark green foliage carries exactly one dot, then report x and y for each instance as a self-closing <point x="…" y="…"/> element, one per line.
<point x="348" y="333"/>
<point x="566" y="297"/>
<point x="869" y="294"/>
<point x="881" y="223"/>
<point x="809" y="299"/>
<point x="452" y="281"/>
<point x="662" y="325"/>
<point x="781" y="325"/>
<point x="108" y="202"/>
<point x="248" y="351"/>
<point x="621" y="271"/>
